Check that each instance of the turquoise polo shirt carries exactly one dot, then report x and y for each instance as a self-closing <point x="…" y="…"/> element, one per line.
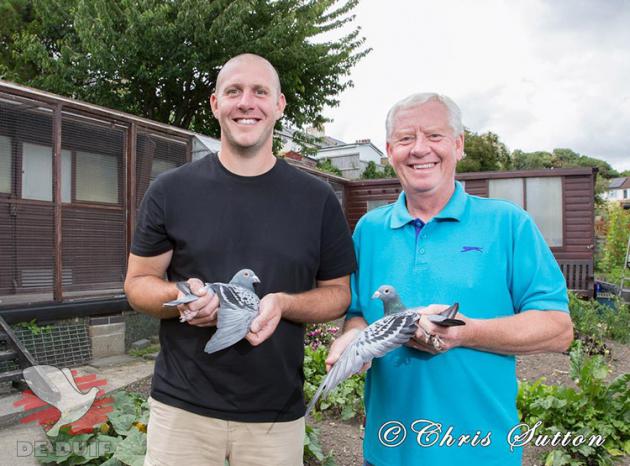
<point x="457" y="407"/>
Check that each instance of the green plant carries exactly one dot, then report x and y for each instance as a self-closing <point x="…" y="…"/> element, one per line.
<point x="34" y="328"/>
<point x="119" y="441"/>
<point x="596" y="408"/>
<point x="313" y="453"/>
<point x="320" y="335"/>
<point x="614" y="251"/>
<point x="143" y="351"/>
<point x="599" y="321"/>
<point x="346" y="400"/>
<point x="326" y="165"/>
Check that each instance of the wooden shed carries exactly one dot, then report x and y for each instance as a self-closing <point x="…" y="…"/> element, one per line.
<point x="561" y="201"/>
<point x="72" y="176"/>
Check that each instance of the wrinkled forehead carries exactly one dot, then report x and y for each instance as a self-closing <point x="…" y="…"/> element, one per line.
<point x="427" y="115"/>
<point x="248" y="71"/>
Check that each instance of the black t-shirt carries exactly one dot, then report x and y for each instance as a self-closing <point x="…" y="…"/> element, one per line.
<point x="285" y="225"/>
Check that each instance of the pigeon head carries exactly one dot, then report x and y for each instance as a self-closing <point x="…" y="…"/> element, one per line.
<point x="390" y="298"/>
<point x="245" y="278"/>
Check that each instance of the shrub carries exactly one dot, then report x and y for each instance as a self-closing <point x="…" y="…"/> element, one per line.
<point x="345" y="401"/>
<point x="595" y="408"/>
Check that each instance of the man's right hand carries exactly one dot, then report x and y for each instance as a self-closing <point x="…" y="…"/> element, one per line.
<point x="339" y="345"/>
<point x="204" y="309"/>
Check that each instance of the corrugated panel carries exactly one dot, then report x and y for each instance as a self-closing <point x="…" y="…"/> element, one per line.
<point x="155" y="154"/>
<point x="26" y="214"/>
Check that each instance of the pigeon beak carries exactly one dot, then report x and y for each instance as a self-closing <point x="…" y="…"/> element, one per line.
<point x="377" y="294"/>
<point x="255" y="279"/>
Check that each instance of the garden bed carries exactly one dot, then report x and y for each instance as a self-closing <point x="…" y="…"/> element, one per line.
<point x="344" y="438"/>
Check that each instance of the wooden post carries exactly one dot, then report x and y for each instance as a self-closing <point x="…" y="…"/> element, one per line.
<point x="132" y="136"/>
<point x="57" y="239"/>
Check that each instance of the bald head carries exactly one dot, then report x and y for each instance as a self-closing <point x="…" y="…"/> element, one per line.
<point x="247" y="58"/>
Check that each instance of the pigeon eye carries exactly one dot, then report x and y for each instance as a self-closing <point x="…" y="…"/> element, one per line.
<point x="386" y="291"/>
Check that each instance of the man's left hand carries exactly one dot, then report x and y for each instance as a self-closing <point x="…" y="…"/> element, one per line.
<point x="265" y="323"/>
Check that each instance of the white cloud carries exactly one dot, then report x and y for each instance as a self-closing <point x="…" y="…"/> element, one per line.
<point x="540" y="74"/>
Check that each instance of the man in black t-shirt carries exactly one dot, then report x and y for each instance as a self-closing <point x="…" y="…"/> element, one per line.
<point x="204" y="221"/>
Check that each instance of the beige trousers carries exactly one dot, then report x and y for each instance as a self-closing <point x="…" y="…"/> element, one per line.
<point x="176" y="437"/>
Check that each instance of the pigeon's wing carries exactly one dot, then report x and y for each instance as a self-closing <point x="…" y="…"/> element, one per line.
<point x="44" y="387"/>
<point x="237" y="308"/>
<point x="376" y="340"/>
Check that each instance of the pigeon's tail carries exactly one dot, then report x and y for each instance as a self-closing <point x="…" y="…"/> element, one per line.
<point x="446" y="318"/>
<point x="329" y="383"/>
<point x="188" y="297"/>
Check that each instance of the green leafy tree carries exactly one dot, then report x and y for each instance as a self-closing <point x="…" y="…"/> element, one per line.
<point x="326" y="165"/>
<point x="484" y="152"/>
<point x="614" y="253"/>
<point x="160" y="58"/>
<point x="372" y="172"/>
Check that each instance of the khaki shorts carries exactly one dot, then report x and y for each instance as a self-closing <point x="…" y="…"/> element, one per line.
<point x="176" y="437"/>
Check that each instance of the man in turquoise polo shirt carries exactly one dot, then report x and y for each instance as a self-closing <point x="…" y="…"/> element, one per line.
<point x="454" y="403"/>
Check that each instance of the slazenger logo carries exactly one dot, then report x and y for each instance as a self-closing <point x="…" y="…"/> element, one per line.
<point x="69" y="400"/>
<point x="471" y="248"/>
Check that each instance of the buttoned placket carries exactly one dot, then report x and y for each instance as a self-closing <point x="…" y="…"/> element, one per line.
<point x="420" y="261"/>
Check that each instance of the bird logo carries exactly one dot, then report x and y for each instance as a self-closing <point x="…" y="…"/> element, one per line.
<point x="58" y="388"/>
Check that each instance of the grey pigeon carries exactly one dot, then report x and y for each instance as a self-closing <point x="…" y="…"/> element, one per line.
<point x="238" y="306"/>
<point x="244" y="278"/>
<point x="395" y="329"/>
<point x="58" y="388"/>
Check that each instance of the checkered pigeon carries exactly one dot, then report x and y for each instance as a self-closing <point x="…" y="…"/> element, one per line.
<point x="238" y="306"/>
<point x="244" y="278"/>
<point x="393" y="330"/>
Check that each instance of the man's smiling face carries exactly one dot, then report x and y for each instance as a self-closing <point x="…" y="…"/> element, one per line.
<point x="247" y="102"/>
<point x="423" y="149"/>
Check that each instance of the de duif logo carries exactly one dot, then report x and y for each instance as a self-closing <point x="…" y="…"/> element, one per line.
<point x="57" y="397"/>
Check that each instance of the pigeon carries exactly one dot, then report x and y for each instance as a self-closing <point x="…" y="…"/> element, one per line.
<point x="238" y="306"/>
<point x="244" y="278"/>
<point x="58" y="388"/>
<point x="393" y="330"/>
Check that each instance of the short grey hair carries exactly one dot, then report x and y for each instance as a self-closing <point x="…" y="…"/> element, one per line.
<point x="453" y="111"/>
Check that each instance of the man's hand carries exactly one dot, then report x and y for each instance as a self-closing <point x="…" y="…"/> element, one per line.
<point x="434" y="338"/>
<point x="203" y="309"/>
<point x="339" y="345"/>
<point x="265" y="323"/>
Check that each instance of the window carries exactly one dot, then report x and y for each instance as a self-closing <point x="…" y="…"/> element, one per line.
<point x="5" y="164"/>
<point x="374" y="203"/>
<point x="160" y="166"/>
<point x="96" y="178"/>
<point x="508" y="189"/>
<point x="37" y="173"/>
<point x="543" y="201"/>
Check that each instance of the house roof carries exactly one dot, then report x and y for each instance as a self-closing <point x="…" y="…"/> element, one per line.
<point x="619" y="183"/>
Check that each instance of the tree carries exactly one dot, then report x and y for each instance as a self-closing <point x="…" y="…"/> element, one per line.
<point x="565" y="158"/>
<point x="484" y="152"/>
<point x="160" y="58"/>
<point x="371" y="172"/>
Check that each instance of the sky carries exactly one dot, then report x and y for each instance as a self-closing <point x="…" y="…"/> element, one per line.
<point x="542" y="74"/>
